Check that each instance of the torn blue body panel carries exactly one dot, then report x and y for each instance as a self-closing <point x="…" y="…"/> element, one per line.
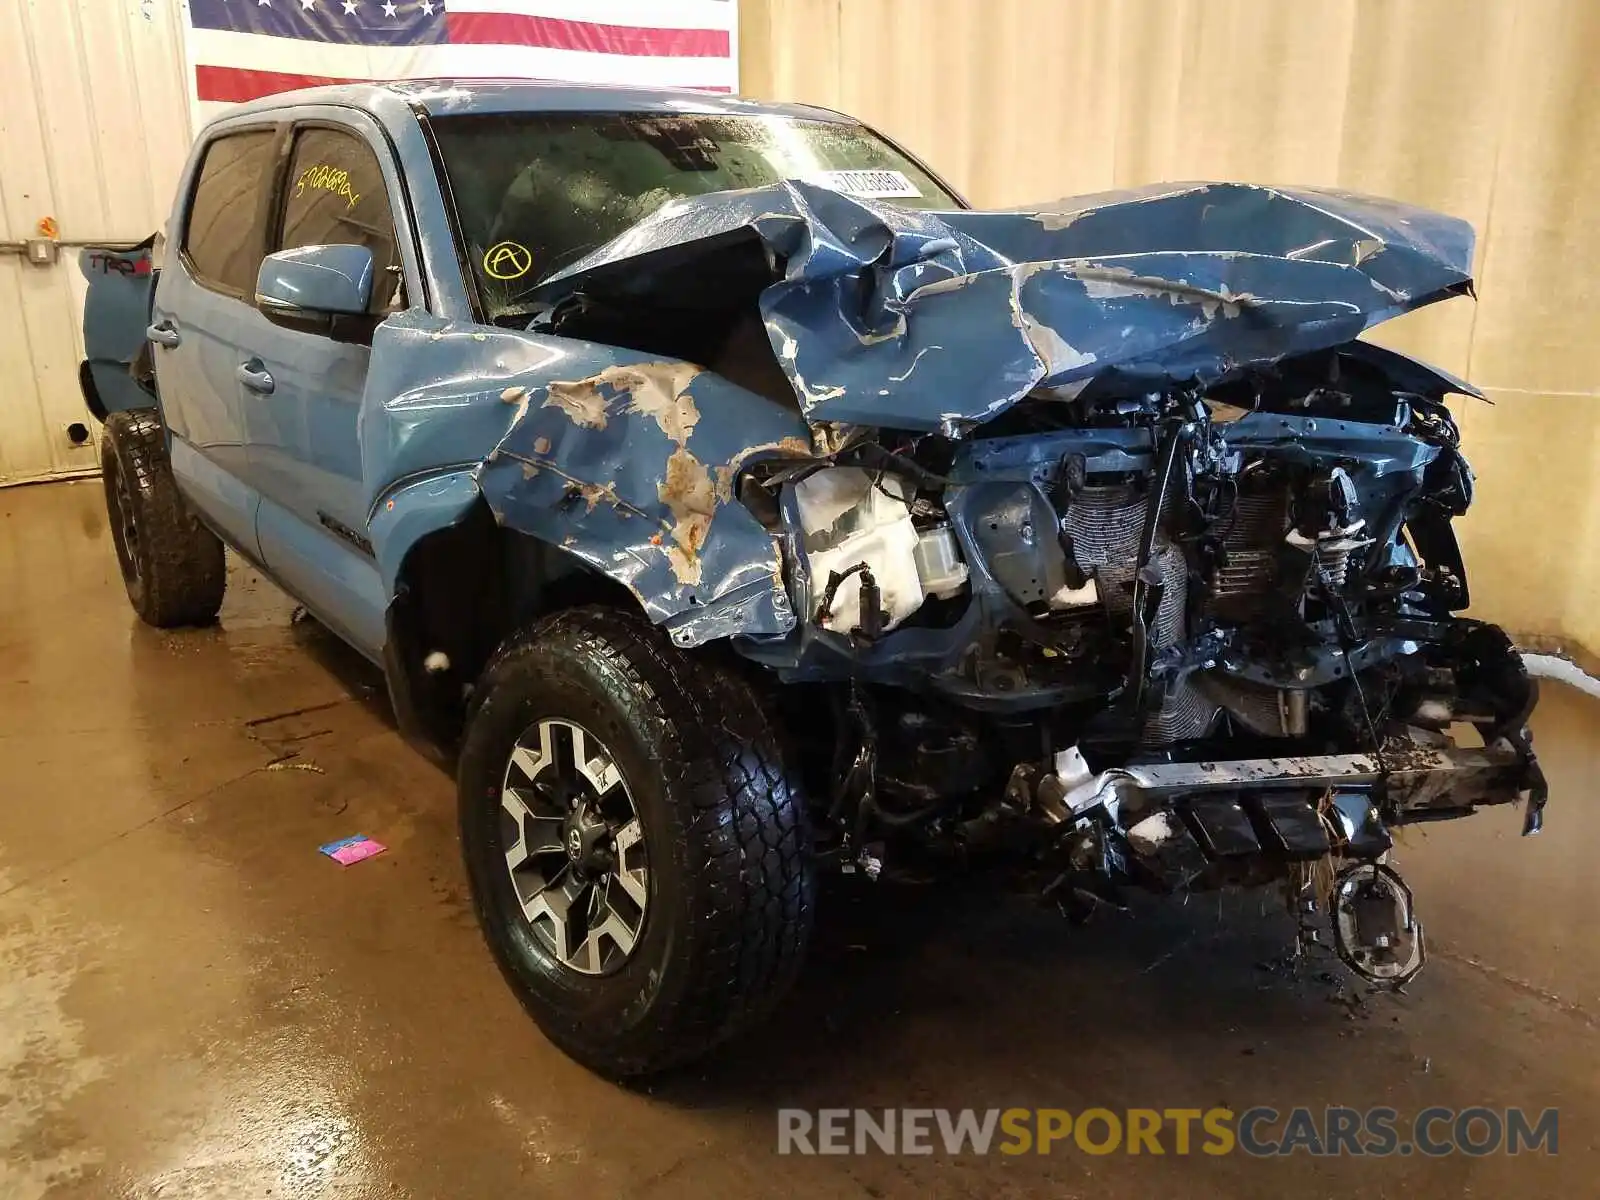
<point x="626" y="462"/>
<point x="917" y="320"/>
<point x="630" y="465"/>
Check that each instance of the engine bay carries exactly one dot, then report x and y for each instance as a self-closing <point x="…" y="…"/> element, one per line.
<point x="1177" y="639"/>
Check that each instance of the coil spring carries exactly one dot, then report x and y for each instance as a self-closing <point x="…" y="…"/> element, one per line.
<point x="1333" y="551"/>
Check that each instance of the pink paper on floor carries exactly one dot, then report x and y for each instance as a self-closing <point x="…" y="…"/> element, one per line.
<point x="353" y="849"/>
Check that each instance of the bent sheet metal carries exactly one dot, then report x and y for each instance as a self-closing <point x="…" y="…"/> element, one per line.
<point x="893" y="317"/>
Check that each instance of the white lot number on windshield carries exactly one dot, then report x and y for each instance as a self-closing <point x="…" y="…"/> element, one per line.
<point x="869" y="185"/>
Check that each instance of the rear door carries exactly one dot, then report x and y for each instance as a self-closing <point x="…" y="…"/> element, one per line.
<point x="304" y="411"/>
<point x="203" y="312"/>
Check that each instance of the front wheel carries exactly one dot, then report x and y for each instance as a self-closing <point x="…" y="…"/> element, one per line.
<point x="638" y="859"/>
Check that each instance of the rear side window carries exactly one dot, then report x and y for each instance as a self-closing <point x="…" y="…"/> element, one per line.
<point x="336" y="196"/>
<point x="224" y="238"/>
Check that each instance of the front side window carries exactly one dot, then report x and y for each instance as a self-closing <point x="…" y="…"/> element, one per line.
<point x="335" y="195"/>
<point x="224" y="237"/>
<point x="535" y="192"/>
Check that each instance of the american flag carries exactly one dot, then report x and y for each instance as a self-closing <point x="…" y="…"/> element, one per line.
<point x="241" y="49"/>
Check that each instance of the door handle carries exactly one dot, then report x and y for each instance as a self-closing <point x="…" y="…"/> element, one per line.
<point x="256" y="377"/>
<point x="164" y="333"/>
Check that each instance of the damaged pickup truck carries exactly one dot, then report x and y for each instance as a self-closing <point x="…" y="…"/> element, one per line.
<point x="738" y="505"/>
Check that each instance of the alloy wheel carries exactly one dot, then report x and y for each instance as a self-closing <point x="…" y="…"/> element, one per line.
<point x="574" y="848"/>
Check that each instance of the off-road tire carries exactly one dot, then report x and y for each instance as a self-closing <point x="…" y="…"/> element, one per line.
<point x="730" y="879"/>
<point x="173" y="567"/>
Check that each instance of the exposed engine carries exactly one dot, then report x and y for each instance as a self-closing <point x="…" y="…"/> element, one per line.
<point x="1194" y="639"/>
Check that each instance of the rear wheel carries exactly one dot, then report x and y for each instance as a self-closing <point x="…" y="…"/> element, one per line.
<point x="638" y="859"/>
<point x="173" y="567"/>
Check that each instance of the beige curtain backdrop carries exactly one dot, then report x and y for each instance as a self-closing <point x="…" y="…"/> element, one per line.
<point x="1487" y="109"/>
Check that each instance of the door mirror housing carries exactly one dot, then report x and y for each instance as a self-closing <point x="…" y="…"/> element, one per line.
<point x="316" y="289"/>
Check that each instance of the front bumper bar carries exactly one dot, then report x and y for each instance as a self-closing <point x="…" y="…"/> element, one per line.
<point x="1411" y="783"/>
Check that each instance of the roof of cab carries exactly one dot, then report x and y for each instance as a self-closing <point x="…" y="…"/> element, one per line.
<point x="451" y="97"/>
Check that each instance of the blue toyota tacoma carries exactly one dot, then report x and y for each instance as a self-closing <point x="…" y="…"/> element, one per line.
<point x="736" y="505"/>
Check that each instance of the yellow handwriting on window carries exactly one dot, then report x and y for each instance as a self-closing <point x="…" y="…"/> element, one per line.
<point x="323" y="178"/>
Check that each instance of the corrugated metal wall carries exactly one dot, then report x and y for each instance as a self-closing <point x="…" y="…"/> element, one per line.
<point x="1486" y="109"/>
<point x="94" y="126"/>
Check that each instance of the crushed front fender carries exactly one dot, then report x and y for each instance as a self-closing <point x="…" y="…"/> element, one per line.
<point x="627" y="462"/>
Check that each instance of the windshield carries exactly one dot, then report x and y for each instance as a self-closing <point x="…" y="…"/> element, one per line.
<point x="535" y="192"/>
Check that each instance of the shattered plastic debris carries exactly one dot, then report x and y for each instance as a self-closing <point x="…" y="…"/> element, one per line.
<point x="352" y="849"/>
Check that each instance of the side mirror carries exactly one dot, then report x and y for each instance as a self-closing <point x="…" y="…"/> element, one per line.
<point x="310" y="288"/>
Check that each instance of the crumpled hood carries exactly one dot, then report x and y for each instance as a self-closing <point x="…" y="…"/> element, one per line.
<point x="889" y="316"/>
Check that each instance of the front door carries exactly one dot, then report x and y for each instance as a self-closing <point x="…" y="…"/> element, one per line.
<point x="204" y="310"/>
<point x="303" y="421"/>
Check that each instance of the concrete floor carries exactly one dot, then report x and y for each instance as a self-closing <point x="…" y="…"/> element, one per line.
<point x="193" y="1002"/>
